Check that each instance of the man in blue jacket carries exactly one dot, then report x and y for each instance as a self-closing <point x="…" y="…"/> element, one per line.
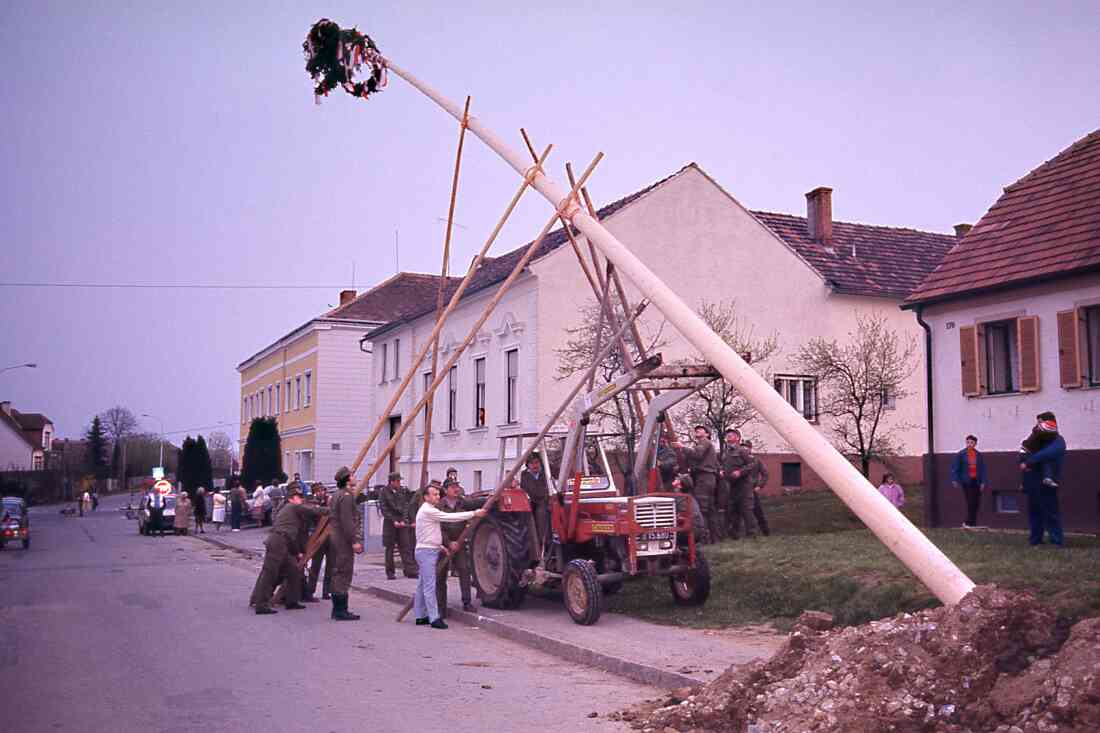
<point x="968" y="473"/>
<point x="1043" y="511"/>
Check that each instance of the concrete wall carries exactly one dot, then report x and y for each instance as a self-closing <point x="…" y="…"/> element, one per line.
<point x="342" y="394"/>
<point x="15" y="453"/>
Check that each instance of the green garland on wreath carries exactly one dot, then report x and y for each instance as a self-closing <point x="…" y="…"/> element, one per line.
<point x="334" y="57"/>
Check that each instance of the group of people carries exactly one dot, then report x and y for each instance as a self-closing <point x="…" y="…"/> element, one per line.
<point x="424" y="527"/>
<point x="726" y="485"/>
<point x="185" y="509"/>
<point x="1040" y="458"/>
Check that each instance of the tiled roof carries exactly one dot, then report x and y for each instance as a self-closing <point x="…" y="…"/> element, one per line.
<point x="394" y="298"/>
<point x="862" y="259"/>
<point x="1045" y="225"/>
<point x="30" y="420"/>
<point x="494" y="270"/>
<point x="12" y="423"/>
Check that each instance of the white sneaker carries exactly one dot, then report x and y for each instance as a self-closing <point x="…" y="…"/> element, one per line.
<point x="236" y="530"/>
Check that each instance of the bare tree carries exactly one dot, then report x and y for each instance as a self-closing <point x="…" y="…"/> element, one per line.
<point x="719" y="405"/>
<point x="221" y="451"/>
<point x="576" y="356"/>
<point x="859" y="384"/>
<point x="118" y="422"/>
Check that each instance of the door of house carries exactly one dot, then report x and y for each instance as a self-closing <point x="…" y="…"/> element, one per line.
<point x="395" y="425"/>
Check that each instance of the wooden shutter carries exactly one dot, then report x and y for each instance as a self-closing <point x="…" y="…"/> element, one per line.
<point x="968" y="352"/>
<point x="1069" y="349"/>
<point x="1027" y="343"/>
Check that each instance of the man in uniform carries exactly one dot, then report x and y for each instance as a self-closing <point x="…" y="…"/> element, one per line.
<point x="737" y="469"/>
<point x="702" y="460"/>
<point x="759" y="481"/>
<point x="667" y="463"/>
<point x="320" y="498"/>
<point x="282" y="555"/>
<point x="452" y="502"/>
<point x="345" y="542"/>
<point x="534" y="482"/>
<point x="396" y="530"/>
<point x="452" y="475"/>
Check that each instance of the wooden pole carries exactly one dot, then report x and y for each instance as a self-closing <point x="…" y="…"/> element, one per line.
<point x="916" y="551"/>
<point x="407" y="421"/>
<point x="442" y="289"/>
<point x="546" y="428"/>
<point x="383" y="417"/>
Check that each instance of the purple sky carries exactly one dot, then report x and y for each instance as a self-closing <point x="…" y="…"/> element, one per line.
<point x="178" y="142"/>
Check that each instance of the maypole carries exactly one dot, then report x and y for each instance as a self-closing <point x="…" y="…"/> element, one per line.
<point x="351" y="50"/>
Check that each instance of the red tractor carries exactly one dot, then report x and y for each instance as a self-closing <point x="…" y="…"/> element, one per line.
<point x="598" y="537"/>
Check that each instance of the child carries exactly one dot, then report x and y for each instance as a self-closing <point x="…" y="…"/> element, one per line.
<point x="1042" y="435"/>
<point x="892" y="491"/>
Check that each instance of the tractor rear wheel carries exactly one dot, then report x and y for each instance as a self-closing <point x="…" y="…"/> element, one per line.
<point x="693" y="587"/>
<point x="583" y="596"/>
<point x="499" y="551"/>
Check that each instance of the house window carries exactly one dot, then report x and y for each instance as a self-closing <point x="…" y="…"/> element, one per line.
<point x="46" y="439"/>
<point x="385" y="360"/>
<point x="263" y="402"/>
<point x="288" y="395"/>
<point x="1092" y="344"/>
<point x="511" y="358"/>
<point x="270" y="401"/>
<point x="801" y="392"/>
<point x="889" y="400"/>
<point x="244" y="409"/>
<point x="1006" y="502"/>
<point x="479" y="392"/>
<point x="298" y="392"/>
<point x="278" y="396"/>
<point x="39" y="463"/>
<point x="396" y="358"/>
<point x="309" y="389"/>
<point x="1001" y="357"/>
<point x="477" y="481"/>
<point x="427" y="386"/>
<point x="791" y="474"/>
<point x="452" y="398"/>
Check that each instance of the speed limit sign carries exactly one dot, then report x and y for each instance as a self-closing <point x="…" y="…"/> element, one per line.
<point x="164" y="487"/>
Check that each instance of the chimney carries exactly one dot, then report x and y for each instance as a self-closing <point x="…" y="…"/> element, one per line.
<point x="5" y="407"/>
<point x="346" y="296"/>
<point x="961" y="230"/>
<point x="819" y="214"/>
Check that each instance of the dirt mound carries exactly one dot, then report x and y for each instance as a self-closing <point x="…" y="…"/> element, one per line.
<point x="996" y="661"/>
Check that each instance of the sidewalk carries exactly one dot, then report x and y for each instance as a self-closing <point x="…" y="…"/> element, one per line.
<point x="662" y="656"/>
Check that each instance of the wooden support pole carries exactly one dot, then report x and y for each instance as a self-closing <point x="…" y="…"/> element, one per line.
<point x="913" y="548"/>
<point x="520" y="462"/>
<point x="442" y="289"/>
<point x="502" y="289"/>
<point x="383" y="417"/>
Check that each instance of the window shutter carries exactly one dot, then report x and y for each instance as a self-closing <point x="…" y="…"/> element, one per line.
<point x="1069" y="349"/>
<point x="968" y="352"/>
<point x="1027" y="341"/>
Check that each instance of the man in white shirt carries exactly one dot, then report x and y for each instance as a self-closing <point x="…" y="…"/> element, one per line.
<point x="429" y="543"/>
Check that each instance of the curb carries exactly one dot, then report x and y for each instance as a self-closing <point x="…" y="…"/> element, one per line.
<point x="570" y="652"/>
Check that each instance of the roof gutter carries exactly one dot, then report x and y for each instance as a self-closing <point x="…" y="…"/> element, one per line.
<point x="931" y="479"/>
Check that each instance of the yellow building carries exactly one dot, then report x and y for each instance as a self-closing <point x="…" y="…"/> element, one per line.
<point x="316" y="380"/>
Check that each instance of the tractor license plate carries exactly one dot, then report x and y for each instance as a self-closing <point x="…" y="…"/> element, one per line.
<point x="656" y="536"/>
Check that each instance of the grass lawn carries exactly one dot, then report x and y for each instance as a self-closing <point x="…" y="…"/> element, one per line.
<point x="820" y="557"/>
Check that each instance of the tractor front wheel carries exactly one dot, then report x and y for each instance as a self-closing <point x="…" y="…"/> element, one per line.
<point x="583" y="595"/>
<point x="693" y="587"/>
<point x="499" y="553"/>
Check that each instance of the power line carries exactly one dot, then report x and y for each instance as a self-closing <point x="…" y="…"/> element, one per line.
<point x="169" y="286"/>
<point x="201" y="427"/>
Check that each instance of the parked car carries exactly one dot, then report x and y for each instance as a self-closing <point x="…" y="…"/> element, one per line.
<point x="14" y="522"/>
<point x="167" y="519"/>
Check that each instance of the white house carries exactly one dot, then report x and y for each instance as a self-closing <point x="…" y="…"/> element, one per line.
<point x="797" y="277"/>
<point x="25" y="439"/>
<point x="1013" y="316"/>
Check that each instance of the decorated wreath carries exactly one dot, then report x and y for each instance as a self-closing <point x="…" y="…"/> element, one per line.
<point x="335" y="56"/>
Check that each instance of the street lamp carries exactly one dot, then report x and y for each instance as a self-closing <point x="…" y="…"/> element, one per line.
<point x="29" y="365"/>
<point x="146" y="414"/>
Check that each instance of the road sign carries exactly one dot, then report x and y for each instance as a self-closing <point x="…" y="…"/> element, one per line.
<point x="164" y="487"/>
<point x="158" y="473"/>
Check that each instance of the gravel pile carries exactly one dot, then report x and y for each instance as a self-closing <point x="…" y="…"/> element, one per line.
<point x="996" y="661"/>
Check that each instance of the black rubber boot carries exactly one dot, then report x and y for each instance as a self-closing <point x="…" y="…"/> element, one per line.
<point x="265" y="610"/>
<point x="340" y="608"/>
<point x="294" y="606"/>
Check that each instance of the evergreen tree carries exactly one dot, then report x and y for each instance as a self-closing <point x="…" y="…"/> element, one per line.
<point x="204" y="467"/>
<point x="185" y="472"/>
<point x="97" y="449"/>
<point x="263" y="455"/>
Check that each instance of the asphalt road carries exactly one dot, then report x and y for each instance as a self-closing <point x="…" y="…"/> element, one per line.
<point x="104" y="630"/>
